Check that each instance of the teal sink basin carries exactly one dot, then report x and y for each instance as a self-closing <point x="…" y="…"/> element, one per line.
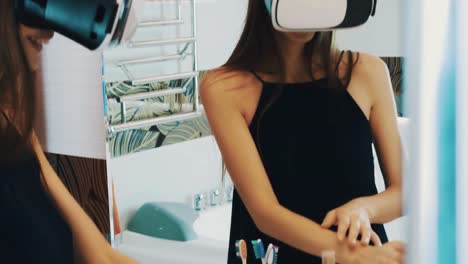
<point x="165" y="220"/>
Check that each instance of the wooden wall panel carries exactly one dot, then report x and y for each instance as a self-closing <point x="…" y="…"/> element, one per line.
<point x="86" y="179"/>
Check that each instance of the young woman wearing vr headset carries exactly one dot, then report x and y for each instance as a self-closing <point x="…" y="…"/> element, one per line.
<point x="295" y="120"/>
<point x="41" y="222"/>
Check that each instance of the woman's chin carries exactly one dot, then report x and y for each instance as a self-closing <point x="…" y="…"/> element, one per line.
<point x="34" y="69"/>
<point x="301" y="37"/>
<point x="34" y="64"/>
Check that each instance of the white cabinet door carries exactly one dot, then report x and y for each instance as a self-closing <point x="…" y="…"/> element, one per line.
<point x="71" y="115"/>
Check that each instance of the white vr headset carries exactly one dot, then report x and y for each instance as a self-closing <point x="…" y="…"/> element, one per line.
<point x="319" y="15"/>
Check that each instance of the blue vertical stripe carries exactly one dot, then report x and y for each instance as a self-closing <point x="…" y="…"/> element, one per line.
<point x="447" y="148"/>
<point x="104" y="86"/>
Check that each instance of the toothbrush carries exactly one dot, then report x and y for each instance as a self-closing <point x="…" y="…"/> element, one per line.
<point x="259" y="250"/>
<point x="241" y="250"/>
<point x="272" y="254"/>
<point x="276" y="249"/>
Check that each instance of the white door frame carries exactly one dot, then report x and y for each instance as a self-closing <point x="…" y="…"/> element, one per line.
<point x="426" y="28"/>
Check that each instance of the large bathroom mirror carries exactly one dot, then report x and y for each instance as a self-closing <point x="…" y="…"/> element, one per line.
<point x="172" y="197"/>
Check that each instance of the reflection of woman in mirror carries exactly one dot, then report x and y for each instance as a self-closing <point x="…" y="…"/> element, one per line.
<point x="295" y="120"/>
<point x="41" y="222"/>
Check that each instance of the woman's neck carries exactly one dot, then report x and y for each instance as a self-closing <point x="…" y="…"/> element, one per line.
<point x="295" y="64"/>
<point x="292" y="56"/>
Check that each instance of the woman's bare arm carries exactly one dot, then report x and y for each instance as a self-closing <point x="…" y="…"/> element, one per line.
<point x="371" y="85"/>
<point x="387" y="205"/>
<point x="90" y="245"/>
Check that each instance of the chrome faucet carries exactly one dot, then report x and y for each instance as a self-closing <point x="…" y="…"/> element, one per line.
<point x="229" y="193"/>
<point x="199" y="202"/>
<point x="215" y="198"/>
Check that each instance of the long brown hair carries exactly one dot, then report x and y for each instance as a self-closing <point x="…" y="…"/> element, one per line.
<point x="17" y="87"/>
<point x="258" y="51"/>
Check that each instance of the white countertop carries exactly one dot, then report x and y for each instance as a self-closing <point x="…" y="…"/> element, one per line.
<point x="153" y="250"/>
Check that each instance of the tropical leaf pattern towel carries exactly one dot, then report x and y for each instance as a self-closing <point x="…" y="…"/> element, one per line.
<point x="136" y="140"/>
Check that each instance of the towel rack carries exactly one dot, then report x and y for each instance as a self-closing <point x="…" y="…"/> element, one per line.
<point x="192" y="76"/>
<point x="164" y="78"/>
<point x="136" y="44"/>
<point x="161" y="23"/>
<point x="151" y="59"/>
<point x="155" y="121"/>
<point x="141" y="96"/>
<point x="176" y="21"/>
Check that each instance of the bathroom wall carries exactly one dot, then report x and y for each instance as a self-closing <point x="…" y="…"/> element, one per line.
<point x="381" y="35"/>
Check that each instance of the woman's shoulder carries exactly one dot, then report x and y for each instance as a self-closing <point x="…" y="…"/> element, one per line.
<point x="227" y="77"/>
<point x="362" y="62"/>
<point x="365" y="65"/>
<point x="370" y="74"/>
<point x="224" y="82"/>
<point x="366" y="68"/>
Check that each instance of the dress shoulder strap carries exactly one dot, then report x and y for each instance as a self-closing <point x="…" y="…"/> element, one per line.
<point x="257" y="76"/>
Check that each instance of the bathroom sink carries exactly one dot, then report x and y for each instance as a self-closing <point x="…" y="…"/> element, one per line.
<point x="210" y="246"/>
<point x="214" y="223"/>
<point x="165" y="220"/>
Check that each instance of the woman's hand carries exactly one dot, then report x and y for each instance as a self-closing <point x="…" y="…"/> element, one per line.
<point x="353" y="219"/>
<point x="117" y="257"/>
<point x="390" y="253"/>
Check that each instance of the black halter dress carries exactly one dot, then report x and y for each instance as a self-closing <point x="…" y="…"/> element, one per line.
<point x="316" y="146"/>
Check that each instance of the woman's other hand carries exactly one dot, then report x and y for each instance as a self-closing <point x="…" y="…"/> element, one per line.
<point x="352" y="219"/>
<point x="117" y="257"/>
<point x="390" y="253"/>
